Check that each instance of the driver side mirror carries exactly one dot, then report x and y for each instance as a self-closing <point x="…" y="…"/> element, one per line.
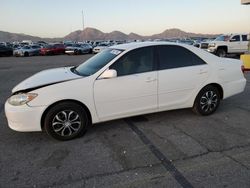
<point x="109" y="73"/>
<point x="232" y="40"/>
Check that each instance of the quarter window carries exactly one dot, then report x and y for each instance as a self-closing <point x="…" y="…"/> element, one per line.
<point x="134" y="62"/>
<point x="172" y="56"/>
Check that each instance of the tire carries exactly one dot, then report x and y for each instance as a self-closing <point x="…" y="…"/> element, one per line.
<point x="75" y="52"/>
<point x="26" y="54"/>
<point x="90" y="51"/>
<point x="221" y="52"/>
<point x="66" y="121"/>
<point x="207" y="101"/>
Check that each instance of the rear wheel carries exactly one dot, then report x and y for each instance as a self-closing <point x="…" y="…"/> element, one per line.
<point x="207" y="101"/>
<point x="75" y="52"/>
<point x="66" y="121"/>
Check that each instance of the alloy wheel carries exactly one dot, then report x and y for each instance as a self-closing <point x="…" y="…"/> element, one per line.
<point x="209" y="101"/>
<point x="66" y="123"/>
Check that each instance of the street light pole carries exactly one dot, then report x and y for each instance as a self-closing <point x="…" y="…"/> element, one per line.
<point x="82" y="21"/>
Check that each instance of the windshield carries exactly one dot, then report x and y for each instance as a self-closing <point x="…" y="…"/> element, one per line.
<point x="49" y="46"/>
<point x="222" y="38"/>
<point x="26" y="47"/>
<point x="92" y="65"/>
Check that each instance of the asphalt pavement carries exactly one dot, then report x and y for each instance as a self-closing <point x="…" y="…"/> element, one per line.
<point x="168" y="149"/>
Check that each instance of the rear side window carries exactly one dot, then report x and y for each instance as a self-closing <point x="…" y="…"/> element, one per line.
<point x="244" y="38"/>
<point x="172" y="56"/>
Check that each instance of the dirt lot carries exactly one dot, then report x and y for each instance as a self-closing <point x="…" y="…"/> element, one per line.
<point x="168" y="149"/>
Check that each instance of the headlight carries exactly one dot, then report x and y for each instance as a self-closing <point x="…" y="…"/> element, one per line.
<point x="212" y="45"/>
<point x="21" y="99"/>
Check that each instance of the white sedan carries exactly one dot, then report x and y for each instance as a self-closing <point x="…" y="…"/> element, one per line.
<point x="123" y="81"/>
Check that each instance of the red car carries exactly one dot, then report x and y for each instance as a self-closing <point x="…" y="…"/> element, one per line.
<point x="53" y="49"/>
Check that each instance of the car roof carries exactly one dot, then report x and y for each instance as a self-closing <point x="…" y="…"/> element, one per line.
<point x="134" y="45"/>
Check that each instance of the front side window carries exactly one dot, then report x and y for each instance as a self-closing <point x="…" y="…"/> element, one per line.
<point x="94" y="64"/>
<point x="236" y="38"/>
<point x="134" y="62"/>
<point x="172" y="56"/>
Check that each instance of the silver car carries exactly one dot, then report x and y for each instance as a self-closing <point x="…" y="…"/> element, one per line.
<point x="26" y="51"/>
<point x="78" y="49"/>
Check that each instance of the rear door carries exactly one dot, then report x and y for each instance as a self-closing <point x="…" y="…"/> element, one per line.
<point x="181" y="72"/>
<point x="244" y="45"/>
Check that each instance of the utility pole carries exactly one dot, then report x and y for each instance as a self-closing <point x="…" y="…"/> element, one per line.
<point x="82" y="21"/>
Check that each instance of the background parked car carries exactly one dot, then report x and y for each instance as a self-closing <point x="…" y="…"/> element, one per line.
<point x="186" y="41"/>
<point x="78" y="49"/>
<point x="41" y="43"/>
<point x="228" y="44"/>
<point x="53" y="49"/>
<point x="27" y="51"/>
<point x="100" y="47"/>
<point x="5" y="51"/>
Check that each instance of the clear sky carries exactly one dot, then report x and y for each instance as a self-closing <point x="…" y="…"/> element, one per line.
<point x="57" y="18"/>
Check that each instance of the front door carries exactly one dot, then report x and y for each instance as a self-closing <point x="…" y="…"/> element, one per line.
<point x="133" y="91"/>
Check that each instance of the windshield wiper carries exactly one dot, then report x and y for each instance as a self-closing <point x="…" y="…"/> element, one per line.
<point x="73" y="69"/>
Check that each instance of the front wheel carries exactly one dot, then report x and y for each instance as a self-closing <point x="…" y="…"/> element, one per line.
<point x="207" y="101"/>
<point x="66" y="121"/>
<point x="76" y="52"/>
<point x="221" y="52"/>
<point x="26" y="54"/>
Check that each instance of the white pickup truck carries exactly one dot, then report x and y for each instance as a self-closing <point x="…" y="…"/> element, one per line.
<point x="228" y="44"/>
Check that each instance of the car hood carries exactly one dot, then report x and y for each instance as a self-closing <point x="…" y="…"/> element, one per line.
<point x="46" y="77"/>
<point x="217" y="42"/>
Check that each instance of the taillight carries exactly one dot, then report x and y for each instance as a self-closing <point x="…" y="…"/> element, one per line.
<point x="243" y="68"/>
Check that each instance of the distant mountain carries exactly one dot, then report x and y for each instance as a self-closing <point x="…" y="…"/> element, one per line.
<point x="6" y="36"/>
<point x="177" y="33"/>
<point x="95" y="34"/>
<point x="11" y="37"/>
<point x="134" y="36"/>
<point x="86" y="34"/>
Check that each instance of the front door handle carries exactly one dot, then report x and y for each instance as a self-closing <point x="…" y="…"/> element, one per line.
<point x="203" y="71"/>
